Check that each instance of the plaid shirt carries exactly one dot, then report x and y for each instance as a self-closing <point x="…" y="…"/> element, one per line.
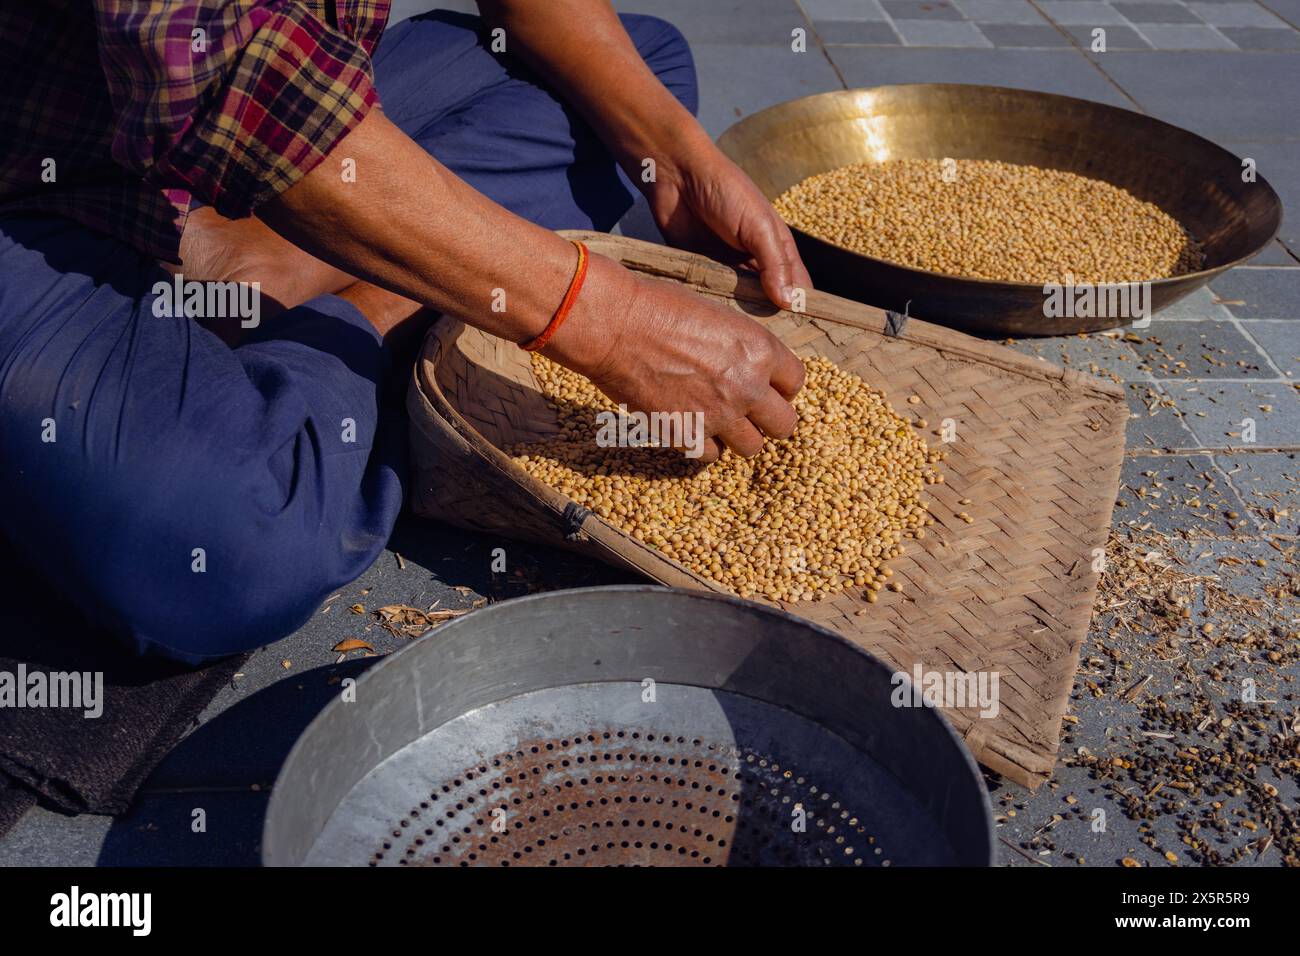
<point x="116" y="112"/>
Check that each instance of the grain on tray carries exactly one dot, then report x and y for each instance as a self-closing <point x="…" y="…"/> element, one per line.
<point x="992" y="220"/>
<point x="809" y="517"/>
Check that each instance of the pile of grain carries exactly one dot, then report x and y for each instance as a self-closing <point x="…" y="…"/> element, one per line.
<point x="810" y="516"/>
<point x="992" y="220"/>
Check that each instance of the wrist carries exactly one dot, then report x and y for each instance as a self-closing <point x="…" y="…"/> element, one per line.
<point x="597" y="324"/>
<point x="677" y="149"/>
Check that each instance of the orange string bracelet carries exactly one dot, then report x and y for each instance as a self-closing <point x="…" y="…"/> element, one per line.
<point x="566" y="304"/>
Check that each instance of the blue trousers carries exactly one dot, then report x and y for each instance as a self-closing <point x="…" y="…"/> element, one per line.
<point x="196" y="500"/>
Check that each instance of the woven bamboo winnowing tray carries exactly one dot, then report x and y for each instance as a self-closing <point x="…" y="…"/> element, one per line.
<point x="1037" y="450"/>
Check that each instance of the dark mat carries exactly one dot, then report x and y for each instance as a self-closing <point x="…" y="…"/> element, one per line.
<point x="57" y="754"/>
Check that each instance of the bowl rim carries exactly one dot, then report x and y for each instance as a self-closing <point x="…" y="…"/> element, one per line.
<point x="276" y="808"/>
<point x="1198" y="277"/>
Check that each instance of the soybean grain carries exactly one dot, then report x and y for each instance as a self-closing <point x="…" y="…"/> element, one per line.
<point x="810" y="516"/>
<point x="992" y="220"/>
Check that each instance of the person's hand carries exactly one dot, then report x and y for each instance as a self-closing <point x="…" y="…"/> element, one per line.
<point x="655" y="346"/>
<point x="706" y="203"/>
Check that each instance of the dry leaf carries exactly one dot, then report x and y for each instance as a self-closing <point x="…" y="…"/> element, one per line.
<point x="352" y="644"/>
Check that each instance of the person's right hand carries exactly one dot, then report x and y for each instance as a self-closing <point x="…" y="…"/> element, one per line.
<point x="659" y="347"/>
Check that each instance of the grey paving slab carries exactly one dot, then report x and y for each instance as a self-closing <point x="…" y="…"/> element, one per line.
<point x="404" y="9"/>
<point x="1215" y="412"/>
<point x="161" y="830"/>
<point x="1046" y="814"/>
<point x="1288" y="10"/>
<point x="1185" y="36"/>
<point x="940" y="33"/>
<point x="999" y="11"/>
<point x="921" y="10"/>
<point x="157" y="831"/>
<point x="1274" y="254"/>
<point x="1155" y="13"/>
<point x="1024" y="35"/>
<point x="1084" y="13"/>
<point x="1237" y="15"/>
<point x="1113" y="38"/>
<point x="1267" y="482"/>
<point x="1154" y="425"/>
<point x="1052" y="826"/>
<point x="1253" y="38"/>
<point x="1103" y="354"/>
<point x="737" y="81"/>
<point x="844" y="9"/>
<point x="1196" y="306"/>
<point x="243" y="742"/>
<point x="725" y="22"/>
<point x="1260" y="293"/>
<point x="1281" y="340"/>
<point x="1153" y="489"/>
<point x="1208" y="349"/>
<point x="1278" y="163"/>
<point x="1052" y="71"/>
<point x="45" y="838"/>
<point x="863" y="32"/>
<point x="1221" y="95"/>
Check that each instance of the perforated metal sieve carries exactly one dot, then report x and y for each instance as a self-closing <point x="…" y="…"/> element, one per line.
<point x="627" y="726"/>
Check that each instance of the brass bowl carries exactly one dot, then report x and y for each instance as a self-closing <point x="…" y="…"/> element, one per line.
<point x="1193" y="180"/>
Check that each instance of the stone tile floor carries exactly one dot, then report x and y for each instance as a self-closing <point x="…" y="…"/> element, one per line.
<point x="1225" y="69"/>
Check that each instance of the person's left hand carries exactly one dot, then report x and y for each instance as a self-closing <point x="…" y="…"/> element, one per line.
<point x="708" y="205"/>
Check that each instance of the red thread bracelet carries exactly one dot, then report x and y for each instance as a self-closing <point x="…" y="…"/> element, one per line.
<point x="562" y="313"/>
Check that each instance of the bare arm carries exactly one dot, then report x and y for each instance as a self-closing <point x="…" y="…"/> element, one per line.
<point x="409" y="225"/>
<point x="597" y="69"/>
<point x="701" y="199"/>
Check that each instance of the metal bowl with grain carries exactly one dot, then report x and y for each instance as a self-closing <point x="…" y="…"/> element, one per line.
<point x="1232" y="212"/>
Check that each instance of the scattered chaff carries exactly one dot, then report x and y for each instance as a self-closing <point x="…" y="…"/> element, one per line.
<point x="1132" y="692"/>
<point x="402" y="620"/>
<point x="1198" y="754"/>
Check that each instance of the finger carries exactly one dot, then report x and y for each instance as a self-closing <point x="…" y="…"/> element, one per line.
<point x="775" y="269"/>
<point x="787" y="371"/>
<point x="802" y="279"/>
<point x="742" y="438"/>
<point x="774" y="416"/>
<point x="712" y="451"/>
